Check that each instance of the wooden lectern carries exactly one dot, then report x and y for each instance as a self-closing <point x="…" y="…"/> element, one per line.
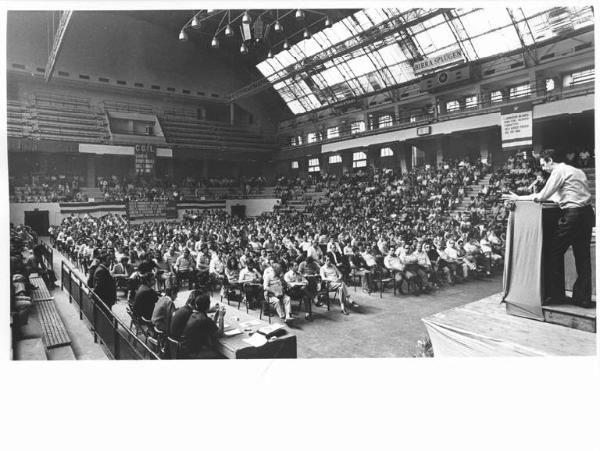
<point x="528" y="240"/>
<point x="527" y="268"/>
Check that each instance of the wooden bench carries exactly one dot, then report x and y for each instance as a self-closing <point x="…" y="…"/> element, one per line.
<point x="54" y="332"/>
<point x="42" y="293"/>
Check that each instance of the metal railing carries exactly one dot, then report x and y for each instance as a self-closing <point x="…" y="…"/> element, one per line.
<point x="120" y="342"/>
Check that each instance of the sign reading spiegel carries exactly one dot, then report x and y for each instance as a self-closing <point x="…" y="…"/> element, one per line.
<point x="454" y="56"/>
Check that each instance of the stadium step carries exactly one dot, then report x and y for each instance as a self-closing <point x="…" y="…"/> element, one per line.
<point x="30" y="349"/>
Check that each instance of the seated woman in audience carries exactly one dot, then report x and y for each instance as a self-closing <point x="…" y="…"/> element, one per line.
<point x="332" y="277"/>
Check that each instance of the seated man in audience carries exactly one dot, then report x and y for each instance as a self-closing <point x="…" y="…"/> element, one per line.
<point x="311" y="270"/>
<point x="185" y="267"/>
<point x="145" y="297"/>
<point x="250" y="279"/>
<point x="216" y="268"/>
<point x="393" y="263"/>
<point x="202" y="266"/>
<point x="457" y="265"/>
<point x="331" y="276"/>
<point x="438" y="264"/>
<point x="410" y="260"/>
<point x="199" y="334"/>
<point x="122" y="271"/>
<point x="296" y="285"/>
<point x="274" y="294"/>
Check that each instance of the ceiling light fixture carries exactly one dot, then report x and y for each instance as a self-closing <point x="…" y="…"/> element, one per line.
<point x="327" y="22"/>
<point x="214" y="43"/>
<point x="299" y="14"/>
<point x="195" y="23"/>
<point x="286" y="45"/>
<point x="306" y="34"/>
<point x="270" y="54"/>
<point x="228" y="31"/>
<point x="183" y="36"/>
<point x="243" y="48"/>
<point x="246" y="17"/>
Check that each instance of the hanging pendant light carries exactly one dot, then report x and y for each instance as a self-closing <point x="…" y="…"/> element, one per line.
<point x="246" y="17"/>
<point x="306" y="34"/>
<point x="183" y="36"/>
<point x="327" y="22"/>
<point x="286" y="45"/>
<point x="243" y="48"/>
<point x="277" y="27"/>
<point x="270" y="54"/>
<point x="195" y="23"/>
<point x="228" y="31"/>
<point x="214" y="43"/>
<point x="299" y="14"/>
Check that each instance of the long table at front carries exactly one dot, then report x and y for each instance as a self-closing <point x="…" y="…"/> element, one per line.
<point x="236" y="346"/>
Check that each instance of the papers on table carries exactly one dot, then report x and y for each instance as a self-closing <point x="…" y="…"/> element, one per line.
<point x="252" y="322"/>
<point x="256" y="340"/>
<point x="232" y="332"/>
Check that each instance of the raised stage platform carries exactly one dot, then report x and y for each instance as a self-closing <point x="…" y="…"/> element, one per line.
<point x="484" y="329"/>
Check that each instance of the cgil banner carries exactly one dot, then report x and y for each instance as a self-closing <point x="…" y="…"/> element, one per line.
<point x="516" y="124"/>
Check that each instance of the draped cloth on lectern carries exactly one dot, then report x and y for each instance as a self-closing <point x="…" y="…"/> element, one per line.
<point x="522" y="282"/>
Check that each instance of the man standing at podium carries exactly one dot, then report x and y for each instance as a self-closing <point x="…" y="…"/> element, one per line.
<point x="568" y="186"/>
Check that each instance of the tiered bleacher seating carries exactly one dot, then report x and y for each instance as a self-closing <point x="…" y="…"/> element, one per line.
<point x="68" y="118"/>
<point x="185" y="130"/>
<point x="15" y="118"/>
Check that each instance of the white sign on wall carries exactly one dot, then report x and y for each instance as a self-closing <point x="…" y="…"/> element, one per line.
<point x="516" y="123"/>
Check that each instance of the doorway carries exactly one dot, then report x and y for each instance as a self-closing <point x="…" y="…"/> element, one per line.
<point x="39" y="221"/>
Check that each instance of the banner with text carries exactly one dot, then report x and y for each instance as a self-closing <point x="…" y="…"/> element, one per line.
<point x="445" y="59"/>
<point x="516" y="123"/>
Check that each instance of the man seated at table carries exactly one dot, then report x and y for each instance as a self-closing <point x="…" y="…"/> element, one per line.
<point x="145" y="297"/>
<point x="164" y="309"/>
<point x="297" y="287"/>
<point x="274" y="295"/>
<point x="185" y="267"/>
<point x="200" y="332"/>
<point x="333" y="278"/>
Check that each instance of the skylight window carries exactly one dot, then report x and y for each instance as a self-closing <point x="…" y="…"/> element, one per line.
<point x="387" y="61"/>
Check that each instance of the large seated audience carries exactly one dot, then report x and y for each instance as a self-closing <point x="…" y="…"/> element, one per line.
<point x="370" y="227"/>
<point x="49" y="188"/>
<point x="372" y="223"/>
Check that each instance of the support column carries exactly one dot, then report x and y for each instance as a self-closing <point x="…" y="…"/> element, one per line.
<point x="90" y="179"/>
<point x="232" y="113"/>
<point x="484" y="147"/>
<point x="403" y="151"/>
<point x="439" y="150"/>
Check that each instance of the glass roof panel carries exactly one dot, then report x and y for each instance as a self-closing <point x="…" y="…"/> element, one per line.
<point x="483" y="20"/>
<point x="496" y="42"/>
<point x="360" y="66"/>
<point x="385" y="62"/>
<point x="435" y="38"/>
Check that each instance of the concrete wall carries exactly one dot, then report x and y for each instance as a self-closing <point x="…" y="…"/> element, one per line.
<point x="254" y="207"/>
<point x="17" y="211"/>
